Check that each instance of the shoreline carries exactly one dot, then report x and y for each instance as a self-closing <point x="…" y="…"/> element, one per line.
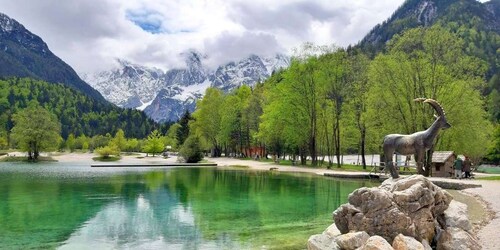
<point x="486" y="230"/>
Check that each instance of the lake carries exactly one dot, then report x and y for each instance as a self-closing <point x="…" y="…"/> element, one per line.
<point x="52" y="205"/>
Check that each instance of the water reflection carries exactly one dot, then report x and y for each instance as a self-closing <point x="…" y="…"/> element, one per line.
<point x="83" y="208"/>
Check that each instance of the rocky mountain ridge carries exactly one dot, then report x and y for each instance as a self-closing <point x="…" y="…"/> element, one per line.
<point x="24" y="54"/>
<point x="165" y="96"/>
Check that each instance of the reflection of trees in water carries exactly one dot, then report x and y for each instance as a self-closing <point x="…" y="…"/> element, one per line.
<point x="188" y="207"/>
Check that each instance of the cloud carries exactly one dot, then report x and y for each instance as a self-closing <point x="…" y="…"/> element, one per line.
<point x="230" y="47"/>
<point x="91" y="34"/>
<point x="149" y="20"/>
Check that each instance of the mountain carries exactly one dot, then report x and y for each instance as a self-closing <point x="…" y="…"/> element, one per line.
<point x="78" y="113"/>
<point x="478" y="24"/>
<point x="415" y="13"/>
<point x="165" y="96"/>
<point x="24" y="54"/>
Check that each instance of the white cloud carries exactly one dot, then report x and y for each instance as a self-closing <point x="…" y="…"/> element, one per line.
<point x="90" y="34"/>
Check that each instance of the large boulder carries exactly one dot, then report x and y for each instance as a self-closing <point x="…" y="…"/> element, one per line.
<point x="376" y="243"/>
<point x="406" y="206"/>
<point x="455" y="238"/>
<point x="455" y="216"/>
<point x="352" y="241"/>
<point x="321" y="241"/>
<point x="402" y="242"/>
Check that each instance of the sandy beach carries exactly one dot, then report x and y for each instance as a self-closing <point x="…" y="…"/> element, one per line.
<point x="488" y="194"/>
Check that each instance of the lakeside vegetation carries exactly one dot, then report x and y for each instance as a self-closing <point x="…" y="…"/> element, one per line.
<point x="330" y="101"/>
<point x="333" y="101"/>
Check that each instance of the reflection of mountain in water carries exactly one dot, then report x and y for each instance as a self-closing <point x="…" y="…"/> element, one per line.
<point x="155" y="220"/>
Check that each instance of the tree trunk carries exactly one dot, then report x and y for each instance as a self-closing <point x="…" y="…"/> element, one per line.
<point x="363" y="140"/>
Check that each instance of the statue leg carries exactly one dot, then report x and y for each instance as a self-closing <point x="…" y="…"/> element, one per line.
<point x="389" y="164"/>
<point x="419" y="159"/>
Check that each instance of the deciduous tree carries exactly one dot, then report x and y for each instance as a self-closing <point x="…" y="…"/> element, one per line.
<point x="35" y="130"/>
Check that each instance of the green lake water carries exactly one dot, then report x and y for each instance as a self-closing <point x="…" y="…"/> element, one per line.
<point x="46" y="206"/>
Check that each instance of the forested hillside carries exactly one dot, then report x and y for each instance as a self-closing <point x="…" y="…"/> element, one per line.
<point x="24" y="54"/>
<point x="476" y="23"/>
<point x="79" y="114"/>
<point x="332" y="101"/>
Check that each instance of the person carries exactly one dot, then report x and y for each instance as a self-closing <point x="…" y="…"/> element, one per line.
<point x="467" y="166"/>
<point x="457" y="165"/>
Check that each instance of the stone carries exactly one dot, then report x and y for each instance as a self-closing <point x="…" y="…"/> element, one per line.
<point x="456" y="216"/>
<point x="454" y="238"/>
<point x="351" y="241"/>
<point x="408" y="206"/>
<point x="321" y="242"/>
<point x="426" y="245"/>
<point x="376" y="243"/>
<point x="402" y="242"/>
<point x="332" y="231"/>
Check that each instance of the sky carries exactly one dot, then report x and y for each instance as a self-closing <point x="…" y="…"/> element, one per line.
<point x="91" y="34"/>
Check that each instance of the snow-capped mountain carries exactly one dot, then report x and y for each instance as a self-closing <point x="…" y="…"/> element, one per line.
<point x="129" y="85"/>
<point x="165" y="96"/>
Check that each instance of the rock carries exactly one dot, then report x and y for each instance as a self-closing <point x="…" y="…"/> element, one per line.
<point x="351" y="241"/>
<point x="407" y="206"/>
<point x="402" y="242"/>
<point x="426" y="245"/>
<point x="376" y="243"/>
<point x="332" y="231"/>
<point x="455" y="216"/>
<point x="454" y="238"/>
<point x="321" y="242"/>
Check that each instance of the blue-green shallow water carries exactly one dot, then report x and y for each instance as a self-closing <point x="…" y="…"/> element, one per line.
<point x="78" y="207"/>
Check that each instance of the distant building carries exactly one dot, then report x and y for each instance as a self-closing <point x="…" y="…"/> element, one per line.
<point x="442" y="163"/>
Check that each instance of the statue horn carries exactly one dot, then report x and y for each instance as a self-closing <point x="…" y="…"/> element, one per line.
<point x="436" y="106"/>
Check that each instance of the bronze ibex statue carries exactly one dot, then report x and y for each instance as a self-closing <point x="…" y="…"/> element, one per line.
<point x="417" y="143"/>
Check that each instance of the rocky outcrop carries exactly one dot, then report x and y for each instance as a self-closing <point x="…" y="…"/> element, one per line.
<point x="408" y="206"/>
<point x="402" y="242"/>
<point x="376" y="243"/>
<point x="407" y="213"/>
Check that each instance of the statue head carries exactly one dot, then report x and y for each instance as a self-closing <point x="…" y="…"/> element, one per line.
<point x="441" y="115"/>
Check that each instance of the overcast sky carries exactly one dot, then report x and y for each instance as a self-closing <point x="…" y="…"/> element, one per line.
<point x="90" y="34"/>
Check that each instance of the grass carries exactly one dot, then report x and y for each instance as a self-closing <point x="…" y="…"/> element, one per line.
<point x="106" y="159"/>
<point x="489" y="178"/>
<point x="25" y="159"/>
<point x="489" y="170"/>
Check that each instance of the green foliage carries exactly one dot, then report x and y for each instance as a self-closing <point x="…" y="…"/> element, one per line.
<point x="207" y="117"/>
<point x="171" y="139"/>
<point x="108" y="151"/>
<point x="191" y="151"/>
<point x="78" y="113"/>
<point x="133" y="145"/>
<point x="182" y="130"/>
<point x="119" y="140"/>
<point x="494" y="150"/>
<point x="70" y="142"/>
<point x="429" y="63"/>
<point x="35" y="130"/>
<point x="471" y="21"/>
<point x="154" y="144"/>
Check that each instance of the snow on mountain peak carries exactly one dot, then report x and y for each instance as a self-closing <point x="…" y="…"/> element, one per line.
<point x="169" y="94"/>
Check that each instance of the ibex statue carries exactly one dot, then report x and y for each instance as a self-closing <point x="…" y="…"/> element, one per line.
<point x="417" y="143"/>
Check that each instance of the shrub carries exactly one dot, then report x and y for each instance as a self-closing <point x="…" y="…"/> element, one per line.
<point x="106" y="152"/>
<point x="191" y="150"/>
